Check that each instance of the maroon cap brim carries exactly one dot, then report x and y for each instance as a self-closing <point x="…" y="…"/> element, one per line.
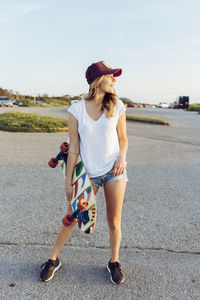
<point x="115" y="72"/>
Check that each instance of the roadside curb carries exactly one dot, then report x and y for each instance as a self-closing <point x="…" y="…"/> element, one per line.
<point x="149" y="120"/>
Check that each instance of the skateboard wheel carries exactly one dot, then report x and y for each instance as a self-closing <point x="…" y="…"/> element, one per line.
<point x="66" y="222"/>
<point x="64" y="147"/>
<point x="83" y="205"/>
<point x="52" y="163"/>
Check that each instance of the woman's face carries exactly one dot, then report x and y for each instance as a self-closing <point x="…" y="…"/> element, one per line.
<point x="107" y="84"/>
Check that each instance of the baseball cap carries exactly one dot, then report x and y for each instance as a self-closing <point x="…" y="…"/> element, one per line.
<point x="98" y="69"/>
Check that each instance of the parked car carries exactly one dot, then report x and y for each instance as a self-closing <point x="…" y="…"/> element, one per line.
<point x="5" y="101"/>
<point x="130" y="105"/>
<point x="151" y="106"/>
<point x="8" y="103"/>
<point x="17" y="102"/>
<point x="163" y="105"/>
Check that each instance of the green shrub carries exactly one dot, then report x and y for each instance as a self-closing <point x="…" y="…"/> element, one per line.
<point x="194" y="107"/>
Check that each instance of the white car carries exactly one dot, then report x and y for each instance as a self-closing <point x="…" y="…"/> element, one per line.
<point x="163" y="105"/>
<point x="5" y="101"/>
<point x="8" y="103"/>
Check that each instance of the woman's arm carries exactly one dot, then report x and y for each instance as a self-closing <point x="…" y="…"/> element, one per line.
<point x="119" y="165"/>
<point x="72" y="153"/>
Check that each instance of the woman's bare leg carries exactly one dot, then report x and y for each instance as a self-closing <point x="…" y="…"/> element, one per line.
<point x="65" y="232"/>
<point x="63" y="235"/>
<point x="114" y="194"/>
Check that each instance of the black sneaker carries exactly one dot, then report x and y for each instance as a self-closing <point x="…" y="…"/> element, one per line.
<point x="116" y="274"/>
<point x="48" y="269"/>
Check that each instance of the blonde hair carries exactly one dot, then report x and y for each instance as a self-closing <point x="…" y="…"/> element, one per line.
<point x="109" y="100"/>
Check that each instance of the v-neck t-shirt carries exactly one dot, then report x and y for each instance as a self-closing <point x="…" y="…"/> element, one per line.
<point x="99" y="143"/>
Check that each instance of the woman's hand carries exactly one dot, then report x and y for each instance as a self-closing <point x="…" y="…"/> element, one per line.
<point x="68" y="190"/>
<point x="119" y="165"/>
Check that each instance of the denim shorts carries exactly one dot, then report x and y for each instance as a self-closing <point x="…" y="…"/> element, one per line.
<point x="108" y="177"/>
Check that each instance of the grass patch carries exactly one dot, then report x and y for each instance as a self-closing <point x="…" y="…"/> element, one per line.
<point x="24" y="122"/>
<point x="194" y="107"/>
<point x="151" y="120"/>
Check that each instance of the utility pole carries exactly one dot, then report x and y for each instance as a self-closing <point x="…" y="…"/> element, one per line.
<point x="34" y="98"/>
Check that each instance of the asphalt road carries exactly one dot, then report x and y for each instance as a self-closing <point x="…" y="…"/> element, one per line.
<point x="160" y="249"/>
<point x="178" y="117"/>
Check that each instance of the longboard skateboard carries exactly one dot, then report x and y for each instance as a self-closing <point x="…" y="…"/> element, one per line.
<point x="83" y="198"/>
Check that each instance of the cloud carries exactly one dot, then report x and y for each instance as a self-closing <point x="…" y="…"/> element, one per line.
<point x="12" y="11"/>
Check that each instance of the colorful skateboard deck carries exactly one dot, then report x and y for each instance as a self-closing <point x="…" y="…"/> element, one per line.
<point x="82" y="193"/>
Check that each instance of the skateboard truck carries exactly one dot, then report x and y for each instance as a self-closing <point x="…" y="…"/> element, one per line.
<point x="81" y="214"/>
<point x="62" y="155"/>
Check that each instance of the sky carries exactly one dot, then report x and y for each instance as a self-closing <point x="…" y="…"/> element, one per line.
<point x="47" y="45"/>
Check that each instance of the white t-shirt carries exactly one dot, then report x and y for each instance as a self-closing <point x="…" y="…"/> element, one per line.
<point x="99" y="144"/>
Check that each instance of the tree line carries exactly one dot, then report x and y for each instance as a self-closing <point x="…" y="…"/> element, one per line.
<point x="45" y="98"/>
<point x="26" y="99"/>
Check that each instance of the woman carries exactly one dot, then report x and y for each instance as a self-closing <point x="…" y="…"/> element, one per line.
<point x="97" y="129"/>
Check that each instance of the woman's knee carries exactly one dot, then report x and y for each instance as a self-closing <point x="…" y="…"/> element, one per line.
<point x="114" y="225"/>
